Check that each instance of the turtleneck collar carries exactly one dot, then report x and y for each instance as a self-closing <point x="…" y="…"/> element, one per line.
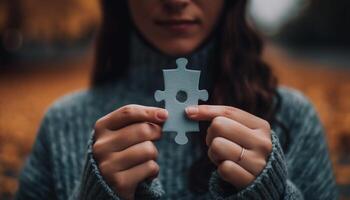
<point x="146" y="64"/>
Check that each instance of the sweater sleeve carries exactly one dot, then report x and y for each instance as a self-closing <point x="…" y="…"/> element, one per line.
<point x="93" y="186"/>
<point x="35" y="180"/>
<point x="304" y="172"/>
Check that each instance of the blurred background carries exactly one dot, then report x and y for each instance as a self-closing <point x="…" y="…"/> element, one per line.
<point x="46" y="50"/>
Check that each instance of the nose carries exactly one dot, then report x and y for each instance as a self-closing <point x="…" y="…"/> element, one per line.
<point x="175" y="6"/>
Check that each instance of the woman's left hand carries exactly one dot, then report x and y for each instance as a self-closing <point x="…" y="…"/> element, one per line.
<point x="239" y="142"/>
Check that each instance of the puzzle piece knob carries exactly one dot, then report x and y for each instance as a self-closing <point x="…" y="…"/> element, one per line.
<point x="181" y="63"/>
<point x="159" y="95"/>
<point x="181" y="138"/>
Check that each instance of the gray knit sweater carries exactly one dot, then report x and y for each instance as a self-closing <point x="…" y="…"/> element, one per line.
<point x="61" y="165"/>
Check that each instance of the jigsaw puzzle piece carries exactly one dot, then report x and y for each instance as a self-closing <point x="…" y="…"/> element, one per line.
<point x="180" y="91"/>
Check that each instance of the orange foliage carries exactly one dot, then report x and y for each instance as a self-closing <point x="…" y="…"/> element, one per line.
<point x="54" y="19"/>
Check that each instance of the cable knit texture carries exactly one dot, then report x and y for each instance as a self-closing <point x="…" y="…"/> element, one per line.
<point x="62" y="166"/>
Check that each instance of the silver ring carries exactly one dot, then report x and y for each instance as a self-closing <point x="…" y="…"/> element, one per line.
<point x="241" y="155"/>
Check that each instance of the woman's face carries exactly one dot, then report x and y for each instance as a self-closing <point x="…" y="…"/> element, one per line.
<point x="175" y="27"/>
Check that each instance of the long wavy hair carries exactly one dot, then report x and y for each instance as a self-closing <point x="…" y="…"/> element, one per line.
<point x="241" y="78"/>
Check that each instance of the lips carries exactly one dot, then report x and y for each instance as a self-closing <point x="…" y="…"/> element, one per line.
<point x="178" y="25"/>
<point x="171" y="22"/>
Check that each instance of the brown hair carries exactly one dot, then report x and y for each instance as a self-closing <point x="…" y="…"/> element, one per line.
<point x="241" y="78"/>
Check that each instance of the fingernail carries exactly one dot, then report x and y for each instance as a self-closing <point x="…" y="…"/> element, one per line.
<point x="191" y="110"/>
<point x="162" y="114"/>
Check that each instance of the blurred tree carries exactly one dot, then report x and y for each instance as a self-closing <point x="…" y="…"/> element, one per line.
<point x="28" y="24"/>
<point x="49" y="19"/>
<point x="10" y="21"/>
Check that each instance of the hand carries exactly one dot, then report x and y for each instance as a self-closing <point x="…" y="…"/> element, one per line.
<point x="124" y="149"/>
<point x="239" y="143"/>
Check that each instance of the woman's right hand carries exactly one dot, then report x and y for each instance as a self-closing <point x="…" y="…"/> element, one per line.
<point x="124" y="149"/>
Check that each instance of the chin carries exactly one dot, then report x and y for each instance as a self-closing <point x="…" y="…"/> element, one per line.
<point x="178" y="48"/>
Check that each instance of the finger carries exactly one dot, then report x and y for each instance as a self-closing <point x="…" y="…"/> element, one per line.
<point x="232" y="130"/>
<point x="123" y="138"/>
<point x="130" y="114"/>
<point x="127" y="181"/>
<point x="222" y="149"/>
<point x="235" y="174"/>
<point x="209" y="112"/>
<point x="129" y="158"/>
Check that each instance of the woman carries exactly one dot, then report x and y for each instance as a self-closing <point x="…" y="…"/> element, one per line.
<point x="257" y="140"/>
